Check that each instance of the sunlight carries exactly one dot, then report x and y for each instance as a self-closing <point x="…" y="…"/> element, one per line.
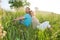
<point x="43" y="5"/>
<point x="46" y="5"/>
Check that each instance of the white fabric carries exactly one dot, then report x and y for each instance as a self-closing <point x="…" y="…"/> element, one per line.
<point x="44" y="25"/>
<point x="37" y="24"/>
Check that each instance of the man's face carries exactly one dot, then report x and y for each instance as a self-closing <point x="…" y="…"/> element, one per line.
<point x="27" y="10"/>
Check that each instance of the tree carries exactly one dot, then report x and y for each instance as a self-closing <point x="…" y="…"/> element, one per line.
<point x="0" y="4"/>
<point x="18" y="3"/>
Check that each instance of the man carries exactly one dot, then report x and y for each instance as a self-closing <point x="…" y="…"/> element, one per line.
<point x="26" y="19"/>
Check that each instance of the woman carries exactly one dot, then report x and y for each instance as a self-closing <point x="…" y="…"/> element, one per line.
<point x="37" y="24"/>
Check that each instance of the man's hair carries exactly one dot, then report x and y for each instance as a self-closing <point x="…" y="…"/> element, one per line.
<point x="28" y="8"/>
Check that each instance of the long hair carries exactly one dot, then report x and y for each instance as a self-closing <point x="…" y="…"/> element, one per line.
<point x="30" y="12"/>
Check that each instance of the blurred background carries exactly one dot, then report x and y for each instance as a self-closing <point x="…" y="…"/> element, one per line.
<point x="46" y="10"/>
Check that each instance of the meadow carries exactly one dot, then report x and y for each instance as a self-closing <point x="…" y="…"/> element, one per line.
<point x="14" y="31"/>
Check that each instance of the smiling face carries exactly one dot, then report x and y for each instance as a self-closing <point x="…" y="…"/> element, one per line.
<point x="27" y="10"/>
<point x="31" y="13"/>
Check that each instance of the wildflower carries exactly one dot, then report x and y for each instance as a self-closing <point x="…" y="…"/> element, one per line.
<point x="2" y="32"/>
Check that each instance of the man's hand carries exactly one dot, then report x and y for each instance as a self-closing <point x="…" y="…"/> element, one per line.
<point x="15" y="19"/>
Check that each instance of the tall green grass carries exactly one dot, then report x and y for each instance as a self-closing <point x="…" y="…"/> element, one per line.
<point x="14" y="31"/>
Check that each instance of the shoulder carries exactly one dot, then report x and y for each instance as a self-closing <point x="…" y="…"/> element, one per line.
<point x="27" y="14"/>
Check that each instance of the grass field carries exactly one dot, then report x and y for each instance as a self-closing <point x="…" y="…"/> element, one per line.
<point x="14" y="31"/>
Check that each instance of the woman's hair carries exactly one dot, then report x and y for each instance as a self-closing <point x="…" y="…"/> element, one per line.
<point x="31" y="13"/>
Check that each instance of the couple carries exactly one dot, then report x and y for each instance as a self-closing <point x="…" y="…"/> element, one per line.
<point x="29" y="18"/>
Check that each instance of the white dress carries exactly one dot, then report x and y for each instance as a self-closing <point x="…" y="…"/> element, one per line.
<point x="37" y="24"/>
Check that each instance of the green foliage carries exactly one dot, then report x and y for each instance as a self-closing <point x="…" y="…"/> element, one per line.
<point x="18" y="3"/>
<point x="17" y="31"/>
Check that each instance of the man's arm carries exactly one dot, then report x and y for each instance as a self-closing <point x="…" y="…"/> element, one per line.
<point x="20" y="18"/>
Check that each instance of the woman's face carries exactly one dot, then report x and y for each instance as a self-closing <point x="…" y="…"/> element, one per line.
<point x="32" y="13"/>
